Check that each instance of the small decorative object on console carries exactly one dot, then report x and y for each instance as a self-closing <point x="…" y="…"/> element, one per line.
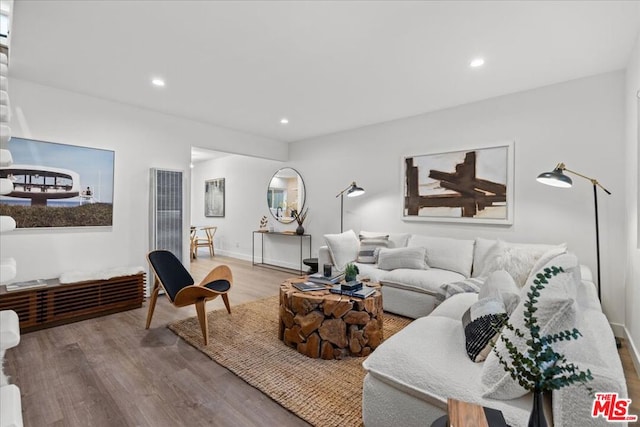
<point x="263" y="224"/>
<point x="300" y="217"/>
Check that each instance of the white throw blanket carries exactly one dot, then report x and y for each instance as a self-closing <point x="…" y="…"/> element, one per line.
<point x="83" y="276"/>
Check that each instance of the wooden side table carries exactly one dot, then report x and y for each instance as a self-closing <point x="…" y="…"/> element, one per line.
<point x="321" y="324"/>
<point x="465" y="414"/>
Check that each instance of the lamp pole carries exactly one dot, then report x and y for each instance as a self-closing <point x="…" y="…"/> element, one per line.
<point x="352" y="191"/>
<point x="341" y="210"/>
<point x="595" y="202"/>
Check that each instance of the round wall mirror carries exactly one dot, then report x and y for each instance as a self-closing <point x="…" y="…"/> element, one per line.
<point x="285" y="194"/>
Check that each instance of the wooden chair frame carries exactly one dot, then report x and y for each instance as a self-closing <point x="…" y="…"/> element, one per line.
<point x="197" y="295"/>
<point x="207" y="241"/>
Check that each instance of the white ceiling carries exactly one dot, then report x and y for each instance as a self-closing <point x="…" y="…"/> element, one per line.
<point x="327" y="66"/>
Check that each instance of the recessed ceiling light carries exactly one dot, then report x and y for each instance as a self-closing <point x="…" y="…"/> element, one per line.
<point x="157" y="82"/>
<point x="284" y="121"/>
<point x="477" y="62"/>
<point x="191" y="165"/>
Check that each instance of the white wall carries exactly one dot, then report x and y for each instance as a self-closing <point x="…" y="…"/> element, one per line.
<point x="141" y="139"/>
<point x="579" y="122"/>
<point x="632" y="161"/>
<point x="246" y="182"/>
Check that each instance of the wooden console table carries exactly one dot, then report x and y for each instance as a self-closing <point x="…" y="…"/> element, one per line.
<point x="55" y="304"/>
<point x="301" y="237"/>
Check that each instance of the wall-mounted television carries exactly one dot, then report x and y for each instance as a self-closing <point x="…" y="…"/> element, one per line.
<point x="58" y="185"/>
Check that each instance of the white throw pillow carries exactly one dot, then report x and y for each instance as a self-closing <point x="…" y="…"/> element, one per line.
<point x="544" y="259"/>
<point x="391" y="259"/>
<point x="516" y="260"/>
<point x="343" y="248"/>
<point x="446" y="253"/>
<point x="480" y="250"/>
<point x="483" y="246"/>
<point x="500" y="284"/>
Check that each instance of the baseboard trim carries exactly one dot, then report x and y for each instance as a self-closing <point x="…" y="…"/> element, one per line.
<point x="633" y="350"/>
<point x="245" y="257"/>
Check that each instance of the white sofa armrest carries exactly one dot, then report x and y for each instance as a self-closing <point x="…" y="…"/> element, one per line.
<point x="324" y="257"/>
<point x="9" y="329"/>
<point x="11" y="414"/>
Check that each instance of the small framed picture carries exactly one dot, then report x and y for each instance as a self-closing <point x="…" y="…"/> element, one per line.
<point x="214" y="197"/>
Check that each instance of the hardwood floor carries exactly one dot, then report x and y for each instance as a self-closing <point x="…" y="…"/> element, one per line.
<point x="110" y="371"/>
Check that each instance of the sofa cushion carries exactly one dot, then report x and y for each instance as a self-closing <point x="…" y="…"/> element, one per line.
<point x="343" y="248"/>
<point x="391" y="259"/>
<point x="396" y="240"/>
<point x="446" y="253"/>
<point x="427" y="281"/>
<point x="556" y="312"/>
<point x="369" y="247"/>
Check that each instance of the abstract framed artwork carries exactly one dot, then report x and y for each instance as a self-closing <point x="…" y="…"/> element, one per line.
<point x="214" y="197"/>
<point x="472" y="186"/>
<point x="58" y="185"/>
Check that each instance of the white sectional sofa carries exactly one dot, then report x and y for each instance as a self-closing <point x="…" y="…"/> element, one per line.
<point x="413" y="292"/>
<point x="411" y="375"/>
<point x="10" y="403"/>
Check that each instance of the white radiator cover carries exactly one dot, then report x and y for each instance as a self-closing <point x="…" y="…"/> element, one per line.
<point x="167" y="210"/>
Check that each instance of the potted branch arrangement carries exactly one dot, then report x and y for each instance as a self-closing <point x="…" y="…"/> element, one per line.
<point x="539" y="368"/>
<point x="300" y="217"/>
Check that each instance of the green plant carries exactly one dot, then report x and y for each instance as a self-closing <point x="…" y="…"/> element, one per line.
<point x="350" y="272"/>
<point x="539" y="367"/>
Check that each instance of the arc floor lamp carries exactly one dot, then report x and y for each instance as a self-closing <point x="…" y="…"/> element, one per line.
<point x="351" y="191"/>
<point x="557" y="178"/>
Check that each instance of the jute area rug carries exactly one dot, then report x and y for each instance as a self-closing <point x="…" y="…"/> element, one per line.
<point x="322" y="392"/>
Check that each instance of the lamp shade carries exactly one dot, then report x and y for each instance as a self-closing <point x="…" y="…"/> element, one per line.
<point x="354" y="190"/>
<point x="555" y="178"/>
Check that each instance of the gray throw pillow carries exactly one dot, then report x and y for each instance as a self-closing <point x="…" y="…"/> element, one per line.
<point x="369" y="248"/>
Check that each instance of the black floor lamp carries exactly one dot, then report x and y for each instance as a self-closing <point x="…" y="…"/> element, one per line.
<point x="557" y="178"/>
<point x="352" y="191"/>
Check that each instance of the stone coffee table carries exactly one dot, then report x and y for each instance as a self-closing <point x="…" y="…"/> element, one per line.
<point x="330" y="326"/>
